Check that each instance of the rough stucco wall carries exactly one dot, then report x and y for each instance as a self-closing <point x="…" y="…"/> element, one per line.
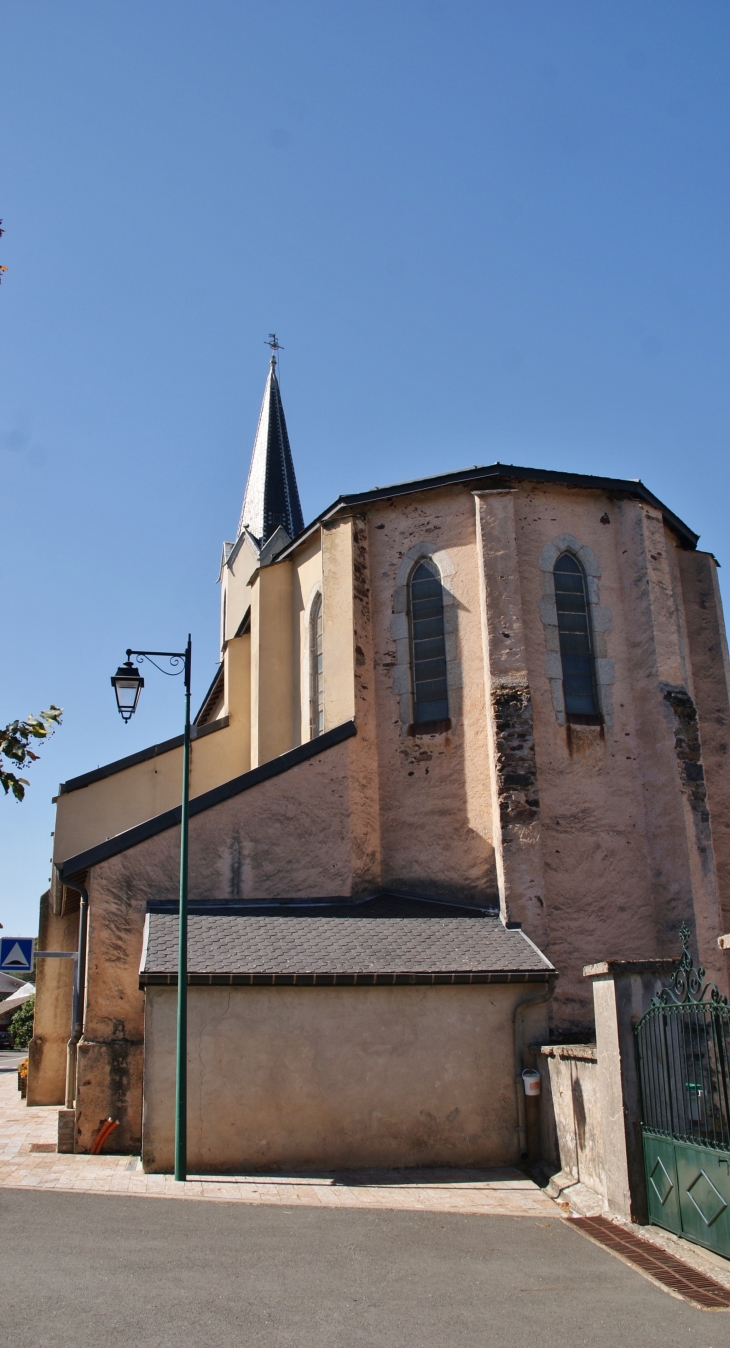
<point x="708" y="659"/>
<point x="338" y="643"/>
<point x="52" y="1018"/>
<point x="109" y="1060"/>
<point x="620" y="863"/>
<point x="512" y="763"/>
<point x="365" y="838"/>
<point x="435" y="803"/>
<point x="303" y="1078"/>
<point x="287" y="837"/>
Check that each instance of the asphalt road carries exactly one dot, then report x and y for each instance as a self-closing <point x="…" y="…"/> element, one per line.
<point x="87" y="1270"/>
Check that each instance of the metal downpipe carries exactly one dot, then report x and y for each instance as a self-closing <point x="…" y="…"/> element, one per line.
<point x="517" y="1016"/>
<point x="77" y="1014"/>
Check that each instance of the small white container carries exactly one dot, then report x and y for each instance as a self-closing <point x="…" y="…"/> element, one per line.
<point x="531" y="1081"/>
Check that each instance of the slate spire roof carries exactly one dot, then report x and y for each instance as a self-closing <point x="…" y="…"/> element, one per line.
<point x="272" y="498"/>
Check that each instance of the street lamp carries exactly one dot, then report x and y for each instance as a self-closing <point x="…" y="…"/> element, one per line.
<point x="127" y="684"/>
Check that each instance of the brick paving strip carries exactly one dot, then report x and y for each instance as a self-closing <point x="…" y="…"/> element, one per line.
<point x="673" y="1274"/>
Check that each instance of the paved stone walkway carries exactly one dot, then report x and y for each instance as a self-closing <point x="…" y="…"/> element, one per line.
<point x="506" y="1193"/>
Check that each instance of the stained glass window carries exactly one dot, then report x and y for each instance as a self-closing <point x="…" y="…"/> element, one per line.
<point x="428" y="647"/>
<point x="579" y="684"/>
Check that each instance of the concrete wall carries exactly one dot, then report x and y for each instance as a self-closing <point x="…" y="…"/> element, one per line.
<point x="310" y="1078"/>
<point x="591" y="1098"/>
<point x="571" y="1091"/>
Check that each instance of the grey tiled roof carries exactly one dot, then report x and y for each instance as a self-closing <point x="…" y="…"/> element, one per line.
<point x="379" y="940"/>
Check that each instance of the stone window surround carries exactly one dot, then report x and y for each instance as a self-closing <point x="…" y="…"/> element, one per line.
<point x="306" y="671"/>
<point x="600" y="618"/>
<point x="399" y="626"/>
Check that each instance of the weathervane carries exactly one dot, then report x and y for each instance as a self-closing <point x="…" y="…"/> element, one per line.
<point x="275" y="346"/>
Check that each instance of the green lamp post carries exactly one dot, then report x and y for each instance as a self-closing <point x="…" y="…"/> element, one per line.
<point x="127" y="684"/>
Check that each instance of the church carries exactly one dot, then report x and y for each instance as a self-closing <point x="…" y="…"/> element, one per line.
<point x="468" y="735"/>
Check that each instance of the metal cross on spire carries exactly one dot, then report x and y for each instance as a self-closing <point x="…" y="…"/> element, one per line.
<point x="275" y="346"/>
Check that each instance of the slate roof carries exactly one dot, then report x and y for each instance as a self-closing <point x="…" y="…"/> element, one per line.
<point x="272" y="497"/>
<point x="385" y="939"/>
<point x="496" y="475"/>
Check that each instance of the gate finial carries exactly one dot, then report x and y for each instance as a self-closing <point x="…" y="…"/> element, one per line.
<point x="686" y="986"/>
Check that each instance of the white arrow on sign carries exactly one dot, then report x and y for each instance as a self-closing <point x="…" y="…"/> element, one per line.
<point x="16" y="959"/>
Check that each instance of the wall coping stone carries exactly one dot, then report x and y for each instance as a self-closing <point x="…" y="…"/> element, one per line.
<point x="663" y="966"/>
<point x="583" y="1052"/>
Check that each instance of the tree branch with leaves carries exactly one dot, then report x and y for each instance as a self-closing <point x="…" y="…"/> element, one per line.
<point x="15" y="741"/>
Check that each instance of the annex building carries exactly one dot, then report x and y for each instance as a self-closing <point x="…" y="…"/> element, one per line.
<point x="468" y="735"/>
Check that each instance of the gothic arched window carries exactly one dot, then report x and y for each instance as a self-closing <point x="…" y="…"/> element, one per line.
<point x="428" y="647"/>
<point x="316" y="680"/>
<point x="574" y="628"/>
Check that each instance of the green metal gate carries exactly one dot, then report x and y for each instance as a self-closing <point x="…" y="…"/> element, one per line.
<point x="683" y="1046"/>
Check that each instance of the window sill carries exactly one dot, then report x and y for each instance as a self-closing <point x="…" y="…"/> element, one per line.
<point x="577" y="718"/>
<point x="429" y="727"/>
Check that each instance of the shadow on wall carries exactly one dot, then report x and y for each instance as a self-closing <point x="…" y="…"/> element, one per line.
<point x="428" y="845"/>
<point x="579" y="1112"/>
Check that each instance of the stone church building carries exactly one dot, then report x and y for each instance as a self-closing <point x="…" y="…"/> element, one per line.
<point x="469" y="734"/>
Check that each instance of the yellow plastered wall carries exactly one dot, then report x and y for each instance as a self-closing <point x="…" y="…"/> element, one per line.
<point x="237" y="667"/>
<point x="338" y="640"/>
<point x="119" y="802"/>
<point x="307" y="582"/>
<point x="272" y="683"/>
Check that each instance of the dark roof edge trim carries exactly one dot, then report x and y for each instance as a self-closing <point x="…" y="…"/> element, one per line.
<point x="170" y="818"/>
<point x="212" y="694"/>
<point x="240" y="907"/>
<point x="622" y="486"/>
<point x="154" y="751"/>
<point x="349" y="980"/>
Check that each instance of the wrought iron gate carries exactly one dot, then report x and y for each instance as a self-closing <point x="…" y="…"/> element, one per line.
<point x="683" y="1045"/>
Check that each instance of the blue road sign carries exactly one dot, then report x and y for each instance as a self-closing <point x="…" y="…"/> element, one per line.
<point x="16" y="954"/>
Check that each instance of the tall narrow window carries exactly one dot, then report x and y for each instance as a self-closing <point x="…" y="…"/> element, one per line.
<point x="316" y="681"/>
<point x="428" y="648"/>
<point x="579" y="684"/>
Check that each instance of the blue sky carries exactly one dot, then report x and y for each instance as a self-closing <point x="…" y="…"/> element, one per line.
<point x="481" y="230"/>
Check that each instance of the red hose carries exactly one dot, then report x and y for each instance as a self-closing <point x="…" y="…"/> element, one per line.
<point x="104" y="1132"/>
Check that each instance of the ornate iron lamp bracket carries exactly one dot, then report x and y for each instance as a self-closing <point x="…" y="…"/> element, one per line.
<point x="686" y="987"/>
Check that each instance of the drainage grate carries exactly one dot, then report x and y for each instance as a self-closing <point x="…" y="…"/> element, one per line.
<point x="671" y="1272"/>
<point x="43" y="1146"/>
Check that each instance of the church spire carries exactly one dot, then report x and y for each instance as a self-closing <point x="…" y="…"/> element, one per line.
<point x="271" y="497"/>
